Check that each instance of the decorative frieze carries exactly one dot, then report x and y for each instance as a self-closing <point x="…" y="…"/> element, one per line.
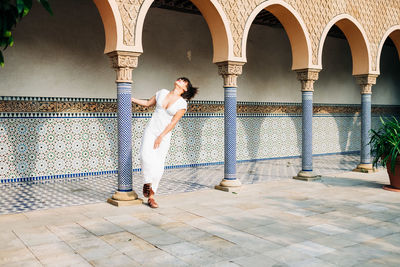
<point x="230" y="70"/>
<point x="124" y="62"/>
<point x="95" y="106"/>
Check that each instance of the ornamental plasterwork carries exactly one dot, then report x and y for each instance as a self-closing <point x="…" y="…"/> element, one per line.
<point x="366" y="82"/>
<point x="307" y="77"/>
<point x="237" y="13"/>
<point x="230" y="68"/>
<point x="124" y="63"/>
<point x="230" y="71"/>
<point x="376" y="17"/>
<point x="129" y="10"/>
<point x="120" y="59"/>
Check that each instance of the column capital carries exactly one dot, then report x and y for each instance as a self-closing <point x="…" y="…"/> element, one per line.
<point x="230" y="70"/>
<point x="307" y="77"/>
<point x="124" y="62"/>
<point x="366" y="81"/>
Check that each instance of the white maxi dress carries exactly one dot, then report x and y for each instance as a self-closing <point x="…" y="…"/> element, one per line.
<point x="153" y="159"/>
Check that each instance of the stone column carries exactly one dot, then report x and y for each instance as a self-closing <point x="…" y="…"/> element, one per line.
<point x="365" y="81"/>
<point x="230" y="71"/>
<point x="307" y="77"/>
<point x="123" y="63"/>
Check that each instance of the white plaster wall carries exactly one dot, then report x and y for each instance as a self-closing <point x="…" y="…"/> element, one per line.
<point x="336" y="83"/>
<point x="267" y="75"/>
<point x="60" y="55"/>
<point x="176" y="44"/>
<point x="63" y="56"/>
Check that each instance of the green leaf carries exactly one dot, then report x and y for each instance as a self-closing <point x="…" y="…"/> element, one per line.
<point x="1" y="59"/>
<point x="28" y="4"/>
<point x="11" y="12"/>
<point x="20" y="6"/>
<point x="385" y="142"/>
<point x="26" y="11"/>
<point x="46" y="5"/>
<point x="11" y="41"/>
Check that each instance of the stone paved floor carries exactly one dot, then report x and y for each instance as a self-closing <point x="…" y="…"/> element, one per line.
<point x="344" y="220"/>
<point x="24" y="197"/>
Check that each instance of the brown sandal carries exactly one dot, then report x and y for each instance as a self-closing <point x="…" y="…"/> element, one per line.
<point x="146" y="190"/>
<point x="152" y="203"/>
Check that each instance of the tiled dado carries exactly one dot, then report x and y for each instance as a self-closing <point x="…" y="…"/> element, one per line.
<point x="93" y="105"/>
<point x="59" y="144"/>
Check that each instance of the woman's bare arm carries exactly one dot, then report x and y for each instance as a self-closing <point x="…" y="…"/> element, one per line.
<point x="145" y="103"/>
<point x="178" y="115"/>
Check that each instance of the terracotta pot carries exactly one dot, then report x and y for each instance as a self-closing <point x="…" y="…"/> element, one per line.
<point x="394" y="178"/>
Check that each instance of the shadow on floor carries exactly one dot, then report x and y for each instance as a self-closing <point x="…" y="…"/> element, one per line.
<point x="350" y="182"/>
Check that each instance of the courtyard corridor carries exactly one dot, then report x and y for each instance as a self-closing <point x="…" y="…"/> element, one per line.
<point x="28" y="196"/>
<point x="345" y="219"/>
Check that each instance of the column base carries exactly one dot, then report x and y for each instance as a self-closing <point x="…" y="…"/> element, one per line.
<point x="307" y="176"/>
<point x="366" y="168"/>
<point x="229" y="185"/>
<point x="124" y="199"/>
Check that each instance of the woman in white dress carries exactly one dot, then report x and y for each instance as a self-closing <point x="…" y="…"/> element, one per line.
<point x="170" y="107"/>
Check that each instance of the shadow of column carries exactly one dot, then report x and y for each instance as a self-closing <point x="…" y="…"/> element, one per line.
<point x="252" y="126"/>
<point x="192" y="129"/>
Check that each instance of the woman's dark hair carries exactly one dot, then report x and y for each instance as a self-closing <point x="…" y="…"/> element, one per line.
<point x="191" y="91"/>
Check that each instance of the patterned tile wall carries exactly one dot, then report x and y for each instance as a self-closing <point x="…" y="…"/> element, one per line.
<point x="51" y="144"/>
<point x="31" y="147"/>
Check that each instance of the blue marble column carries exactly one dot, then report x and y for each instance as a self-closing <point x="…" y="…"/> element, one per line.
<point x="307" y="114"/>
<point x="229" y="71"/>
<point x="365" y="128"/>
<point x="307" y="77"/>
<point x="124" y="136"/>
<point x="230" y="133"/>
<point x="124" y="62"/>
<point x="365" y="81"/>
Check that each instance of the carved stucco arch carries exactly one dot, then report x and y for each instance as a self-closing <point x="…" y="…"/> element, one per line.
<point x="394" y="34"/>
<point x="216" y="19"/>
<point x="358" y="42"/>
<point x="295" y="29"/>
<point x="112" y="25"/>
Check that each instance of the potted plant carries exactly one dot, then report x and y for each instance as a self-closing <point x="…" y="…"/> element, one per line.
<point x="385" y="147"/>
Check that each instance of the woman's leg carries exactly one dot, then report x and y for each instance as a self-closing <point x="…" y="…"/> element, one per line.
<point x="152" y="189"/>
<point x="152" y="202"/>
<point x="155" y="184"/>
<point x="146" y="157"/>
<point x="153" y="167"/>
<point x="146" y="189"/>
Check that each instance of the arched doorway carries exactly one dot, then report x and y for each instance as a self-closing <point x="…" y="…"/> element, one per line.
<point x="284" y="46"/>
<point x="349" y="28"/>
